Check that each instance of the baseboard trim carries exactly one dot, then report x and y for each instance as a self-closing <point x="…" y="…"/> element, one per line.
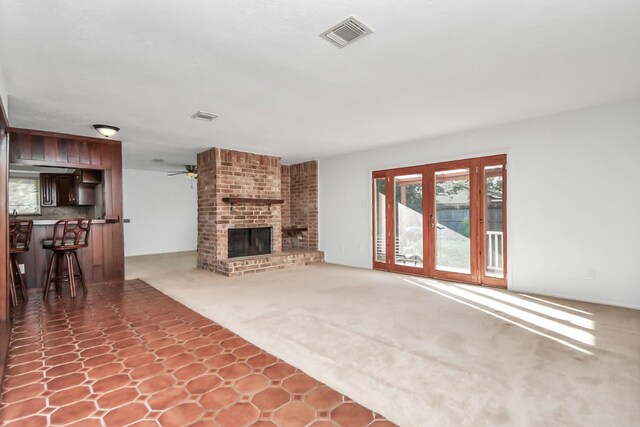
<point x="574" y="298"/>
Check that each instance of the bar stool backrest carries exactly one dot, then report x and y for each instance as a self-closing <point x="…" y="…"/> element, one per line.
<point x="71" y="233"/>
<point x="20" y="235"/>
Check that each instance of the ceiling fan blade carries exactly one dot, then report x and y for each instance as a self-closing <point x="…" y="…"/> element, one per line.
<point x="175" y="173"/>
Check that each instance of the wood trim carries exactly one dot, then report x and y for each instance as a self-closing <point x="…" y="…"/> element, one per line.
<point x="472" y="277"/>
<point x="376" y="264"/>
<point x="428" y="193"/>
<point x="435" y="165"/>
<point x="391" y="215"/>
<point x="5" y="321"/>
<point x="58" y="135"/>
<point x="487" y="280"/>
<point x="57" y="164"/>
<point x="475" y="193"/>
<point x="390" y="229"/>
<point x="4" y="216"/>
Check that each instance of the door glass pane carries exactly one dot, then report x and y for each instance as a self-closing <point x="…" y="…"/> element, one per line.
<point x="453" y="244"/>
<point x="408" y="210"/>
<point x="379" y="219"/>
<point x="493" y="224"/>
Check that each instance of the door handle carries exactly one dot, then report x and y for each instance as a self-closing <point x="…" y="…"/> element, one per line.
<point x="431" y="224"/>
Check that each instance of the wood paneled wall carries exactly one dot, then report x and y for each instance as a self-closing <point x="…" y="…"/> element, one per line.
<point x="4" y="244"/>
<point x="4" y="214"/>
<point x="103" y="261"/>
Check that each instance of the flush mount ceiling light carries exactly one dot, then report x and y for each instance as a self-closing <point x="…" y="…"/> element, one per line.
<point x="205" y="116"/>
<point x="106" y="130"/>
<point x="346" y="32"/>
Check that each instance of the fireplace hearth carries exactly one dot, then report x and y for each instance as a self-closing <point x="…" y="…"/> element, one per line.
<point x="249" y="241"/>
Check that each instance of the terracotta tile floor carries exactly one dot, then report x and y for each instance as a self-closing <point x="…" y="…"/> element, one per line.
<point x="126" y="354"/>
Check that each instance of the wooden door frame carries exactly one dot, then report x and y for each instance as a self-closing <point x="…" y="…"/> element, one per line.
<point x="477" y="211"/>
<point x="488" y="280"/>
<point x="472" y="277"/>
<point x="391" y="216"/>
<point x="5" y="320"/>
<point x="377" y="175"/>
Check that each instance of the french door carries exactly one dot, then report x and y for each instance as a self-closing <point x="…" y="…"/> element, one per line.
<point x="445" y="220"/>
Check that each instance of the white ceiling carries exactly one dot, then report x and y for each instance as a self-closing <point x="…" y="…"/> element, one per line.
<point x="431" y="67"/>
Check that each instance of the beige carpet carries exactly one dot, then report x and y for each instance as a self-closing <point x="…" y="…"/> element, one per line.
<point x="424" y="352"/>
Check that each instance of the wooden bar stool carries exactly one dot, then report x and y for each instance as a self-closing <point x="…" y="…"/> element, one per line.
<point x="20" y="237"/>
<point x="69" y="235"/>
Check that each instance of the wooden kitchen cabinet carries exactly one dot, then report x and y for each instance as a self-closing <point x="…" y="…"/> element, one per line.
<point x="71" y="193"/>
<point x="65" y="190"/>
<point x="48" y="190"/>
<point x="78" y="189"/>
<point x="87" y="176"/>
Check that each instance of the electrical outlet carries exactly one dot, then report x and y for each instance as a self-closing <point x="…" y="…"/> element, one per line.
<point x="591" y="274"/>
<point x="21" y="266"/>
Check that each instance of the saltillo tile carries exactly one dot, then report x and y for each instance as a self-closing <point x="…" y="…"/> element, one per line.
<point x="294" y="414"/>
<point x="271" y="398"/>
<point x="73" y="412"/>
<point x="100" y="364"/>
<point x="70" y="395"/>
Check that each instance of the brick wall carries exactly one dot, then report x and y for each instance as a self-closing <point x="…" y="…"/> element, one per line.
<point x="285" y="179"/>
<point x="301" y="205"/>
<point x="207" y="236"/>
<point x="227" y="173"/>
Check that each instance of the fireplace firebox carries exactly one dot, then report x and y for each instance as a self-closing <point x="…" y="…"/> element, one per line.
<point x="249" y="241"/>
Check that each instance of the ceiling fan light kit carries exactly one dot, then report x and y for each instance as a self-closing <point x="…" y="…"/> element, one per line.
<point x="189" y="170"/>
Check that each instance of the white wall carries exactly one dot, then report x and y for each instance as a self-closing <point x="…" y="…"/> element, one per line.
<point x="163" y="211"/>
<point x="573" y="200"/>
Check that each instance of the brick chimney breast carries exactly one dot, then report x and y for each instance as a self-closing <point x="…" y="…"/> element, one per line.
<point x="228" y="173"/>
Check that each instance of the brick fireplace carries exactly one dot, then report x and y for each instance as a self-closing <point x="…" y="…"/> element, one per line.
<point x="239" y="191"/>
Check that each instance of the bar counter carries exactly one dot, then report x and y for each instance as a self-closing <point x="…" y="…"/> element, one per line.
<point x="53" y="221"/>
<point x="99" y="260"/>
<point x="103" y="260"/>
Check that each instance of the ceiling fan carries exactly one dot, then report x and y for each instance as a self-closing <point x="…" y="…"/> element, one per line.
<point x="190" y="170"/>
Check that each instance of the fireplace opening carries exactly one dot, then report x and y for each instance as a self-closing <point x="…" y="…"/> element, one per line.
<point x="249" y="241"/>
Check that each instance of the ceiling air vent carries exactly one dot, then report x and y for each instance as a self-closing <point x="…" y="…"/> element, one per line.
<point x="346" y="32"/>
<point x="203" y="115"/>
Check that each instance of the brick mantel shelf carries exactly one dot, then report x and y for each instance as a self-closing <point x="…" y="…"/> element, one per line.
<point x="253" y="200"/>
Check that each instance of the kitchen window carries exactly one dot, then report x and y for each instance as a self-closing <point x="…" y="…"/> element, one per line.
<point x="24" y="196"/>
